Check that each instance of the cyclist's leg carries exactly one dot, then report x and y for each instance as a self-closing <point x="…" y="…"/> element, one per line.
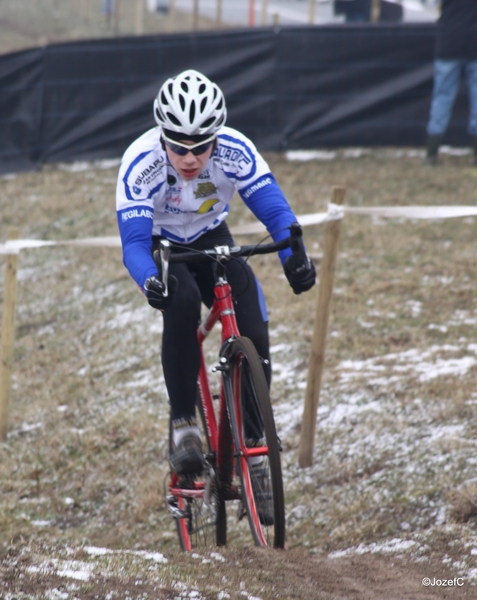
<point x="180" y="362"/>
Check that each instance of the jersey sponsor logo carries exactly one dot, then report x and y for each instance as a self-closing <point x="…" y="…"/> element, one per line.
<point x="150" y="172"/>
<point x="173" y="194"/>
<point x="135" y="213"/>
<point x="136" y="190"/>
<point x="233" y="155"/>
<point x="171" y="180"/>
<point x="257" y="186"/>
<point x="172" y="209"/>
<point x="207" y="206"/>
<point x="204" y="175"/>
<point x="205" y="189"/>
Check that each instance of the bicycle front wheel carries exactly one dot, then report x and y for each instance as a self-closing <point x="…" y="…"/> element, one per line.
<point x="258" y="462"/>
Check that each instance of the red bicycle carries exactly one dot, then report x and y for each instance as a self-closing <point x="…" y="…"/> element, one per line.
<point x="233" y="472"/>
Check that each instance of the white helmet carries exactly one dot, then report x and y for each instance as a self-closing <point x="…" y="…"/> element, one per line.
<point x="190" y="104"/>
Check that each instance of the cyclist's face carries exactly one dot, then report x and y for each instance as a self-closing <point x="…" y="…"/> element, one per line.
<point x="189" y="166"/>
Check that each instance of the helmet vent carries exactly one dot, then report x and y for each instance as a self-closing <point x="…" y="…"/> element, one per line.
<point x="208" y="122"/>
<point x="164" y="99"/>
<point x="192" y="111"/>
<point x="173" y="119"/>
<point x="220" y="104"/>
<point x="182" y="102"/>
<point x="184" y="86"/>
<point x="203" y="104"/>
<point x="202" y="88"/>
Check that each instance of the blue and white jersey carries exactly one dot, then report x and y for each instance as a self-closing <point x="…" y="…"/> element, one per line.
<point x="152" y="199"/>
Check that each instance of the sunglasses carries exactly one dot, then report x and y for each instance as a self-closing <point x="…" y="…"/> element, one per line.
<point x="183" y="149"/>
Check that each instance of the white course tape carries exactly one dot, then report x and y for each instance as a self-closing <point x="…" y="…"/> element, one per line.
<point x="14" y="246"/>
<point x="414" y="212"/>
<point x="335" y="212"/>
<point x="260" y="228"/>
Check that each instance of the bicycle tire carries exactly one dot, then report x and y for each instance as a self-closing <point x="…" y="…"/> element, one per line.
<point x="250" y="394"/>
<point x="224" y="472"/>
<point x="197" y="529"/>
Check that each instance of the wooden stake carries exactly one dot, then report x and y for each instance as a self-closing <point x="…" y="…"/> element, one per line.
<point x="8" y="327"/>
<point x="117" y="16"/>
<point x="171" y="17"/>
<point x="264" y="12"/>
<point x="139" y="17"/>
<point x="318" y="344"/>
<point x="195" y="16"/>
<point x="375" y="10"/>
<point x="311" y="11"/>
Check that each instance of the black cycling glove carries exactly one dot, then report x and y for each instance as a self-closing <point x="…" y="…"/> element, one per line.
<point x="154" y="289"/>
<point x="300" y="272"/>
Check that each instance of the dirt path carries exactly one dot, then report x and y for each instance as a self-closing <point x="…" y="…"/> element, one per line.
<point x="252" y="573"/>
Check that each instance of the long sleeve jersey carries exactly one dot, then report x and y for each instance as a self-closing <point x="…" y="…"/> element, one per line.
<point x="152" y="199"/>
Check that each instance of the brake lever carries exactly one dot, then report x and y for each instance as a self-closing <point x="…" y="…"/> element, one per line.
<point x="165" y="252"/>
<point x="296" y="240"/>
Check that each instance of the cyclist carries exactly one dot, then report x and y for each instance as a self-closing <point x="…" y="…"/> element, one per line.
<point x="176" y="182"/>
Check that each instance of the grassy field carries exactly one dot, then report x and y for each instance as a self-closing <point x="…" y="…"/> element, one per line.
<point x="394" y="473"/>
<point x="30" y="23"/>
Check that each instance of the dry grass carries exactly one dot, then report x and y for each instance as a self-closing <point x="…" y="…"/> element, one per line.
<point x="30" y="23"/>
<point x="86" y="454"/>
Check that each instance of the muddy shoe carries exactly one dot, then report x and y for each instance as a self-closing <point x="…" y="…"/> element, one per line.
<point x="260" y="477"/>
<point x="188" y="458"/>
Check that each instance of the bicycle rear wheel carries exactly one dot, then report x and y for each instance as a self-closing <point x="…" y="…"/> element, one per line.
<point x="193" y="499"/>
<point x="259" y="469"/>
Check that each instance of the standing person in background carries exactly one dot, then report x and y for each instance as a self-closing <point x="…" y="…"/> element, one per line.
<point x="107" y="8"/>
<point x="456" y="50"/>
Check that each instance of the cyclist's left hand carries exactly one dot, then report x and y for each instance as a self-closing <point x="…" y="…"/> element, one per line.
<point x="300" y="272"/>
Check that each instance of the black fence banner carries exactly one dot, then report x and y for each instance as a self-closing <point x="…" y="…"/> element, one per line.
<point x="286" y="88"/>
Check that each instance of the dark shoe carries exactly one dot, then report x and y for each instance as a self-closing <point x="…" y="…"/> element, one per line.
<point x="433" y="143"/>
<point x="188" y="458"/>
<point x="260" y="477"/>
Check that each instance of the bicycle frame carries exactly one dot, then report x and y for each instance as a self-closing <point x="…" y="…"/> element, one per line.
<point x="198" y="505"/>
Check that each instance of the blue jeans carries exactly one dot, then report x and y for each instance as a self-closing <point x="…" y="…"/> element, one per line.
<point x="446" y="85"/>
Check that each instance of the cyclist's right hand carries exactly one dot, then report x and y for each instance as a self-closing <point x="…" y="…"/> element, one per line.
<point x="154" y="290"/>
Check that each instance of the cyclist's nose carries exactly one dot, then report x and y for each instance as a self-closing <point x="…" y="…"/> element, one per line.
<point x="190" y="159"/>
